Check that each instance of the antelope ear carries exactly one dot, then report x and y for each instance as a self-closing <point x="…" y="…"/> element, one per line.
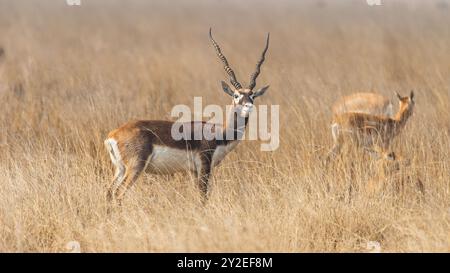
<point x="260" y="91"/>
<point x="226" y="88"/>
<point x="375" y="154"/>
<point x="391" y="156"/>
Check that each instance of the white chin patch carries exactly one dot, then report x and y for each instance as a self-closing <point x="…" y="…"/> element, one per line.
<point x="245" y="112"/>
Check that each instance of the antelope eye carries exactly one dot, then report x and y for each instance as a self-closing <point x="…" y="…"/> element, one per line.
<point x="236" y="96"/>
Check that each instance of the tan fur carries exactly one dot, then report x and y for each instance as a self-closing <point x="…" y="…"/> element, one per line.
<point x="371" y="131"/>
<point x="148" y="145"/>
<point x="368" y="103"/>
<point x="389" y="175"/>
<point x="387" y="165"/>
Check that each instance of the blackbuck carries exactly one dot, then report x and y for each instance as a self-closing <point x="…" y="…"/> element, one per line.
<point x="368" y="103"/>
<point x="149" y="144"/>
<point x="372" y="132"/>
<point x="388" y="174"/>
<point x="387" y="165"/>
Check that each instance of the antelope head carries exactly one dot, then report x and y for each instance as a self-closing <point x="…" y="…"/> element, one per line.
<point x="389" y="161"/>
<point x="406" y="105"/>
<point x="243" y="98"/>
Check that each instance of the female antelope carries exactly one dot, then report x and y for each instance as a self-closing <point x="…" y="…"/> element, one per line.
<point x="369" y="103"/>
<point x="149" y="145"/>
<point x="370" y="131"/>
<point x="387" y="174"/>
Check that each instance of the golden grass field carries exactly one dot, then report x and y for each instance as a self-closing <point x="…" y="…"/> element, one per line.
<point x="69" y="75"/>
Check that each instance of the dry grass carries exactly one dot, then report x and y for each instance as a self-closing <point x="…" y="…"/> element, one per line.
<point x="71" y="74"/>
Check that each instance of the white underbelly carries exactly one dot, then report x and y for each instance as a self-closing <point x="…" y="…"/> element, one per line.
<point x="165" y="160"/>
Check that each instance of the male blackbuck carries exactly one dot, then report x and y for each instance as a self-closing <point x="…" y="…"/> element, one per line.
<point x="371" y="132"/>
<point x="368" y="103"/>
<point x="149" y="144"/>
